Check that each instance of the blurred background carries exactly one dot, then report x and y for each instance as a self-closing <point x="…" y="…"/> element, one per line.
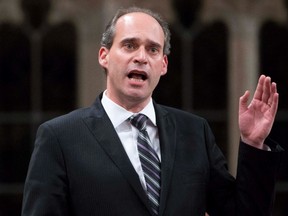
<point x="49" y="66"/>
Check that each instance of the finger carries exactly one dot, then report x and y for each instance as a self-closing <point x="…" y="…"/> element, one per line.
<point x="243" y="102"/>
<point x="274" y="105"/>
<point x="266" y="90"/>
<point x="273" y="91"/>
<point x="259" y="89"/>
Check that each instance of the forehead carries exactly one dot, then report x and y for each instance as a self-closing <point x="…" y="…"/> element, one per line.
<point x="139" y="25"/>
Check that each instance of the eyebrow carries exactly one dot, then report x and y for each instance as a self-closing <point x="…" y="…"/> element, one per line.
<point x="135" y="40"/>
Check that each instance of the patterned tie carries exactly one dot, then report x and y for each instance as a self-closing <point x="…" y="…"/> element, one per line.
<point x="149" y="161"/>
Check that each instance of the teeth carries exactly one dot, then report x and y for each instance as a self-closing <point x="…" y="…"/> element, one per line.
<point x="135" y="76"/>
<point x="137" y="79"/>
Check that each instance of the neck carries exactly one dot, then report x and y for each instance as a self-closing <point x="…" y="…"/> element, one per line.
<point x="134" y="105"/>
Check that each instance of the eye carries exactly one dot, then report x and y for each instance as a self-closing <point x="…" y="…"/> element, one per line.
<point x="154" y="50"/>
<point x="129" y="46"/>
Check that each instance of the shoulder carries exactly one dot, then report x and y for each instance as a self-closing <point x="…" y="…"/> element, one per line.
<point x="71" y="122"/>
<point x="69" y="118"/>
<point x="178" y="113"/>
<point x="76" y="116"/>
<point x="180" y="117"/>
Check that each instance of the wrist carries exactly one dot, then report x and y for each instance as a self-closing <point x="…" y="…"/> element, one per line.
<point x="256" y="144"/>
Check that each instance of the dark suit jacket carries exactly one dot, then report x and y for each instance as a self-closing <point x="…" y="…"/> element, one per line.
<point x="80" y="168"/>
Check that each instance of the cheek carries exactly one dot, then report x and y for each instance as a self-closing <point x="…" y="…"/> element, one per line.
<point x="115" y="66"/>
<point x="119" y="63"/>
<point x="155" y="80"/>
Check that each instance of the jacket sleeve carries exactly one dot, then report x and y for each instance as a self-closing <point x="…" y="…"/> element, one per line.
<point x="256" y="178"/>
<point x="252" y="192"/>
<point x="46" y="185"/>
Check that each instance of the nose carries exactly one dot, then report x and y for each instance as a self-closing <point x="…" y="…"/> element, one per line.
<point x="140" y="56"/>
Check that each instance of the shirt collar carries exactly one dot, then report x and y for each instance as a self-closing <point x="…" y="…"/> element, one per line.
<point x="118" y="114"/>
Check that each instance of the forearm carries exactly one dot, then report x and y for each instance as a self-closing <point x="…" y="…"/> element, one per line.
<point x="256" y="178"/>
<point x="252" y="193"/>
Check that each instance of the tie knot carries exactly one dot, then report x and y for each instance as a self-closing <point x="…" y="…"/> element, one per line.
<point x="139" y="121"/>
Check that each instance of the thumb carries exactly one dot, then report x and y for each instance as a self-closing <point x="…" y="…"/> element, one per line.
<point x="243" y="102"/>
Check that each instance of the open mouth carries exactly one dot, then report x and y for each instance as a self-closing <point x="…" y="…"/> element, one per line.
<point x="137" y="76"/>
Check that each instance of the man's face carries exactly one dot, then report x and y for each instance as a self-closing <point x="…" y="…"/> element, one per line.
<point x="135" y="62"/>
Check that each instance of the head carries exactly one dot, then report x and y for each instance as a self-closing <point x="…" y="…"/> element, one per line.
<point x="109" y="33"/>
<point x="133" y="53"/>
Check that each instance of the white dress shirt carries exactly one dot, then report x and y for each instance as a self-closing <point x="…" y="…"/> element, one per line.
<point x="128" y="134"/>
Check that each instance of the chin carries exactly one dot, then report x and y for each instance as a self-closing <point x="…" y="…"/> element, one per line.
<point x="138" y="96"/>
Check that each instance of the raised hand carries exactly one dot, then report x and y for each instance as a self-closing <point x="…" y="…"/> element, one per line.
<point x="256" y="119"/>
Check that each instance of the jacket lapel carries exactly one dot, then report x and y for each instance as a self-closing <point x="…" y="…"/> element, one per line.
<point x="167" y="135"/>
<point x="100" y="125"/>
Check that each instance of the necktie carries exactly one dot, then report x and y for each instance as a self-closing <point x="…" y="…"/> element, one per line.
<point x="149" y="161"/>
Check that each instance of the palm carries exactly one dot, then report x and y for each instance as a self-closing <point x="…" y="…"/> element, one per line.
<point x="256" y="120"/>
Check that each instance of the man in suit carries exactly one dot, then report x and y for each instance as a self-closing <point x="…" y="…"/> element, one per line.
<point x="87" y="162"/>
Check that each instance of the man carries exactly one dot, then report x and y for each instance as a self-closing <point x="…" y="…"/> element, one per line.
<point x="87" y="162"/>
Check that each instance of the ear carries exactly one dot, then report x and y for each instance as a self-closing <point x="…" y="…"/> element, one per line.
<point x="164" y="65"/>
<point x="103" y="57"/>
